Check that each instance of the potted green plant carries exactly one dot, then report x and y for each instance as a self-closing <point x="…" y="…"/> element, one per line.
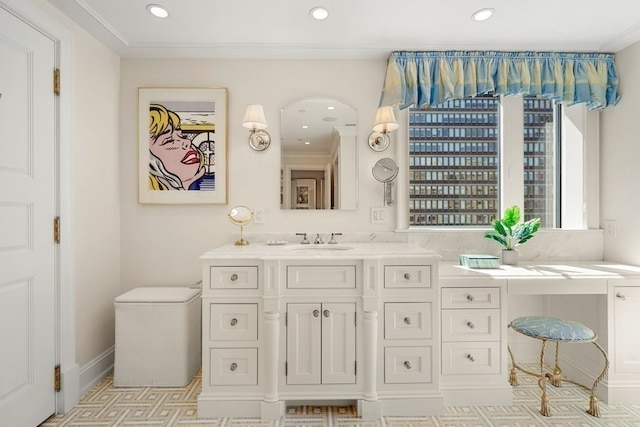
<point x="511" y="233"/>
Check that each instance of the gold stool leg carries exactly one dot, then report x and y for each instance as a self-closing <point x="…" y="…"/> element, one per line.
<point x="594" y="409"/>
<point x="513" y="376"/>
<point x="545" y="409"/>
<point x="556" y="378"/>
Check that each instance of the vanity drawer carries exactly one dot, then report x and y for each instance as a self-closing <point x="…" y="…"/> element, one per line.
<point x="408" y="320"/>
<point x="233" y="322"/>
<point x="403" y="365"/>
<point x="470" y="358"/>
<point x="321" y="276"/>
<point x="470" y="298"/>
<point x="407" y="276"/>
<point x="471" y="325"/>
<point x="233" y="366"/>
<point x="234" y="277"/>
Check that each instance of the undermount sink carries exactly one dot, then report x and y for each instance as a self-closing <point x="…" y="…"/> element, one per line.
<point x="327" y="247"/>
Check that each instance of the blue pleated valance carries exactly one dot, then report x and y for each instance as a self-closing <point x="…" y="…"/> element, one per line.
<point x="430" y="78"/>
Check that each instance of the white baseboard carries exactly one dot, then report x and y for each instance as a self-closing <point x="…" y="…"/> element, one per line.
<point x="95" y="371"/>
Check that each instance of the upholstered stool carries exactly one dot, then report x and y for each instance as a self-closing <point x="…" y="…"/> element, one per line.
<point x="561" y="331"/>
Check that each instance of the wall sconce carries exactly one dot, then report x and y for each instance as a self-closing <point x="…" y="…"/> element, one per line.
<point x="259" y="138"/>
<point x="385" y="122"/>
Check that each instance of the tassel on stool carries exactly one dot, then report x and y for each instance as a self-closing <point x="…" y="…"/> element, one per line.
<point x="513" y="377"/>
<point x="556" y="378"/>
<point x="594" y="409"/>
<point x="545" y="409"/>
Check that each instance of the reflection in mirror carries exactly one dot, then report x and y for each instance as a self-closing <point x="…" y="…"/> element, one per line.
<point x="319" y="155"/>
<point x="385" y="170"/>
<point x="241" y="216"/>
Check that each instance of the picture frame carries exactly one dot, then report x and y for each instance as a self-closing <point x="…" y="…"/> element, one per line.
<point x="304" y="195"/>
<point x="182" y="145"/>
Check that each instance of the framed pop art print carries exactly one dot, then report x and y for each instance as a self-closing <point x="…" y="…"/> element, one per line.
<point x="182" y="145"/>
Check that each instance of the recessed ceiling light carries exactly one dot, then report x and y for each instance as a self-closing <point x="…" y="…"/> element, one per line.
<point x="482" y="14"/>
<point x="157" y="10"/>
<point x="319" y="13"/>
<point x="331" y="107"/>
<point x="305" y="127"/>
<point x="307" y="143"/>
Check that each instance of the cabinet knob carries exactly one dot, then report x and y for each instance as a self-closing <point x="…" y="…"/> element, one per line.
<point x="621" y="296"/>
<point x="233" y="366"/>
<point x="470" y="324"/>
<point x="234" y="277"/>
<point x="407" y="320"/>
<point x="326" y="313"/>
<point x="407" y="364"/>
<point x="469" y="297"/>
<point x="234" y="322"/>
<point x="316" y="313"/>
<point x="471" y="358"/>
<point x="407" y="276"/>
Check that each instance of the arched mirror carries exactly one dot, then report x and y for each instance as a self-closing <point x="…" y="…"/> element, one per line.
<point x="319" y="149"/>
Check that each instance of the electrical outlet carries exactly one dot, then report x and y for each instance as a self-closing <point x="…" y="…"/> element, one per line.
<point x="259" y="216"/>
<point x="610" y="229"/>
<point x="378" y="215"/>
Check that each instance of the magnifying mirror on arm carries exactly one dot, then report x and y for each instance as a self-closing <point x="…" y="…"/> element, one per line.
<point x="386" y="170"/>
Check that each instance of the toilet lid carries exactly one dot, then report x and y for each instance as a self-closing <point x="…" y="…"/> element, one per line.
<point x="158" y="294"/>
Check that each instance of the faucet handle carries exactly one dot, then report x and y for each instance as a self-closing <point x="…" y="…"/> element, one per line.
<point x="333" y="240"/>
<point x="304" y="238"/>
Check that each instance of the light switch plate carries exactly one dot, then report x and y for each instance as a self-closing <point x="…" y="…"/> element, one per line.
<point x="259" y="216"/>
<point x="378" y="215"/>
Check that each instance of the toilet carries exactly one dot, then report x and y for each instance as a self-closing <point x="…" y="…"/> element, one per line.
<point x="158" y="338"/>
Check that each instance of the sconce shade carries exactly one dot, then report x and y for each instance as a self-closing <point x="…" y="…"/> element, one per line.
<point x="385" y="120"/>
<point x="254" y="117"/>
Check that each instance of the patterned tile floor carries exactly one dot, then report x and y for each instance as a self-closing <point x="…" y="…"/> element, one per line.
<point x="106" y="405"/>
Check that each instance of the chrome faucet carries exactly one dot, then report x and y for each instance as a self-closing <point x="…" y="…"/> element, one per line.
<point x="332" y="241"/>
<point x="304" y="240"/>
<point x="318" y="240"/>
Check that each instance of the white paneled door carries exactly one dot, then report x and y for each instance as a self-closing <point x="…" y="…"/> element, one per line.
<point x="27" y="210"/>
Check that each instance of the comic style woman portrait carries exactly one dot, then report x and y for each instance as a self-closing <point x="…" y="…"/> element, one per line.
<point x="175" y="163"/>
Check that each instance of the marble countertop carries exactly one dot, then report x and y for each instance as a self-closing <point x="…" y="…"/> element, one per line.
<point x="322" y="251"/>
<point x="543" y="270"/>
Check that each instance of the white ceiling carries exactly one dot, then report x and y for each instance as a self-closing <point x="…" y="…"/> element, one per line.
<point x="354" y="28"/>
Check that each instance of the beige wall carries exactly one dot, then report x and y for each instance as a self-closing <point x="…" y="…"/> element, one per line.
<point x="620" y="157"/>
<point x="161" y="243"/>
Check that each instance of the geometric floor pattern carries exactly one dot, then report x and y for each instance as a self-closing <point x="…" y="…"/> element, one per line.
<point x="108" y="406"/>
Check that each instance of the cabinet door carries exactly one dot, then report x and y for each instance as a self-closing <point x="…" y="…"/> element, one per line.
<point x="303" y="343"/>
<point x="338" y="343"/>
<point x="627" y="319"/>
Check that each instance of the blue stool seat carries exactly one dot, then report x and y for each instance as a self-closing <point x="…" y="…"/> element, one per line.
<point x="546" y="328"/>
<point x="553" y="329"/>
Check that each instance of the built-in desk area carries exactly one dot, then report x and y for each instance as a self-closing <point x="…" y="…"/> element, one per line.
<point x="477" y="305"/>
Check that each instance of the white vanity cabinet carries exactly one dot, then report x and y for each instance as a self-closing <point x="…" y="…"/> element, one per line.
<point x="310" y="323"/>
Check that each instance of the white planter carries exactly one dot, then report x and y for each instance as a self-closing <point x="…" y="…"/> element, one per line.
<point x="510" y="256"/>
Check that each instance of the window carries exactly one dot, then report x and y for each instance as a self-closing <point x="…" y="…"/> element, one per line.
<point x="457" y="156"/>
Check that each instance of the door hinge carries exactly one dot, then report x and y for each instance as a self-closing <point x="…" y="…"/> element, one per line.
<point x="57" y="386"/>
<point x="355" y="367"/>
<point x="286" y="319"/>
<point x="286" y="369"/>
<point x="56" y="229"/>
<point x="56" y="81"/>
<point x="355" y="318"/>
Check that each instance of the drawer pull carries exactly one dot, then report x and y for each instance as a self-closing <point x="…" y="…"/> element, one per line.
<point x="407" y="364"/>
<point x="234" y="277"/>
<point x="621" y="296"/>
<point x="469" y="297"/>
<point x="234" y="322"/>
<point x="326" y="313"/>
<point x="407" y="320"/>
<point x="470" y="324"/>
<point x="407" y="276"/>
<point x="316" y="313"/>
<point x="233" y="366"/>
<point x="471" y="358"/>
